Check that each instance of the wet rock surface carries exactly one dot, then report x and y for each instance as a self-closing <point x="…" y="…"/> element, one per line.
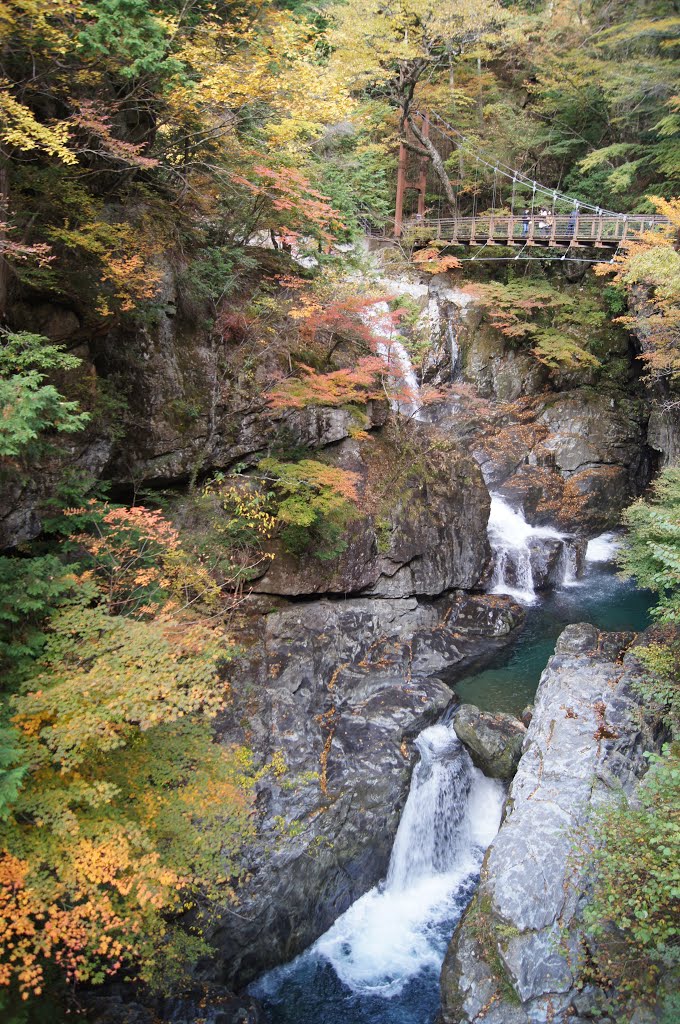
<point x="213" y="1005"/>
<point x="516" y="951"/>
<point x="493" y="740"/>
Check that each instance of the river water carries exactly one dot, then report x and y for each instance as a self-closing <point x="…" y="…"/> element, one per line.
<point x="380" y="961"/>
<point x="600" y="597"/>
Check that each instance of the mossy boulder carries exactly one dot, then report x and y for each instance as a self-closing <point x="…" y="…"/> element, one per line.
<point x="493" y="740"/>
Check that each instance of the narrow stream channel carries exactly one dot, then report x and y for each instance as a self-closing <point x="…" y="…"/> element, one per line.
<point x="380" y="961"/>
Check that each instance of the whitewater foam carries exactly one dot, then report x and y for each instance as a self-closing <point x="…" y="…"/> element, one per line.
<point x="511" y="538"/>
<point x="603" y="548"/>
<point x="402" y="926"/>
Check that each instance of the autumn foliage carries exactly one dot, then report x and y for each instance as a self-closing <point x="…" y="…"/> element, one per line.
<point x="339" y="387"/>
<point x="650" y="269"/>
<point x="127" y="809"/>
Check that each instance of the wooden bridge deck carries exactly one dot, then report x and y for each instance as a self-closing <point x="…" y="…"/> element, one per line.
<point x="562" y="230"/>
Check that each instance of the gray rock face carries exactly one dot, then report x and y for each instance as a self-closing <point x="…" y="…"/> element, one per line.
<point x="663" y="432"/>
<point x="188" y="406"/>
<point x="592" y="429"/>
<point x="494" y="740"/>
<point x="426" y="535"/>
<point x="518" y="944"/>
<point x="123" y="1004"/>
<point x="498" y="371"/>
<point x="336" y="691"/>
<point x="328" y="822"/>
<point x="23" y="494"/>
<point x="599" y="441"/>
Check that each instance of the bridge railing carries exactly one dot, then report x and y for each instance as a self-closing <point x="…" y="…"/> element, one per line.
<point x="559" y="229"/>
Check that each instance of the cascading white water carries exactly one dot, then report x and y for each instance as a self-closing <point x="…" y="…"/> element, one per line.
<point x="398" y="361"/>
<point x="451" y="815"/>
<point x="568" y="568"/>
<point x="432" y="828"/>
<point x="603" y="548"/>
<point x="519" y="547"/>
<point x="402" y="927"/>
<point x="454" y="348"/>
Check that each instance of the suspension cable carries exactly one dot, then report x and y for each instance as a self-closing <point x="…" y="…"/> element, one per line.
<point x="511" y="173"/>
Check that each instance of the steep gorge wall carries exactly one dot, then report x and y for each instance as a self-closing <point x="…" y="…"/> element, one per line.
<point x="597" y="429"/>
<point x="517" y="956"/>
<point x="178" y="400"/>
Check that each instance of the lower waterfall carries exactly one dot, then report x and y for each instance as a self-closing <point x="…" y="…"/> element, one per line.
<point x="396" y="935"/>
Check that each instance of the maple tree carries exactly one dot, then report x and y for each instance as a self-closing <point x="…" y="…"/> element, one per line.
<point x="194" y="104"/>
<point x="551" y="319"/>
<point x="313" y="504"/>
<point x="650" y="270"/>
<point x="357" y="384"/>
<point x="118" y="806"/>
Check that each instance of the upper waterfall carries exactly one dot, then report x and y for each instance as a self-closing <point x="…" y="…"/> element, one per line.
<point x="398" y="361"/>
<point x="526" y="557"/>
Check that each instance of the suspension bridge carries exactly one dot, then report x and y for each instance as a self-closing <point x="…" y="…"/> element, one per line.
<point x="497" y="206"/>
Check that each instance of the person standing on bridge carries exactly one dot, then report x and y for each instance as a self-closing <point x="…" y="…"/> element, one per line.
<point x="549" y="222"/>
<point x="525" y="222"/>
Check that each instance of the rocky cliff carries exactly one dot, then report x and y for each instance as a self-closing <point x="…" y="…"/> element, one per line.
<point x="421" y="526"/>
<point x="516" y="956"/>
<point x="334" y="692"/>
<point x="174" y="399"/>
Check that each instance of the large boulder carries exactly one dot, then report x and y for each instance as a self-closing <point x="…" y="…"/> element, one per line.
<point x="493" y="740"/>
<point x="516" y="954"/>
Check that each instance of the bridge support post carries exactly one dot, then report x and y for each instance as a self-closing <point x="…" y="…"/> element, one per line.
<point x="403" y="184"/>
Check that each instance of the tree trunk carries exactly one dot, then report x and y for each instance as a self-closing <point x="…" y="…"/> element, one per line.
<point x="480" y="97"/>
<point x="437" y="162"/>
<point x="4" y="218"/>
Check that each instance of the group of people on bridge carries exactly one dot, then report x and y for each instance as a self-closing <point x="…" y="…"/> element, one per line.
<point x="546" y="221"/>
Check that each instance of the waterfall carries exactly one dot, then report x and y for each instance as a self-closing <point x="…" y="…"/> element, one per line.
<point x="397" y="359"/>
<point x="453" y="347"/>
<point x="527" y="558"/>
<point x="568" y="567"/>
<point x="451" y="815"/>
<point x="432" y="831"/>
<point x="400" y="929"/>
